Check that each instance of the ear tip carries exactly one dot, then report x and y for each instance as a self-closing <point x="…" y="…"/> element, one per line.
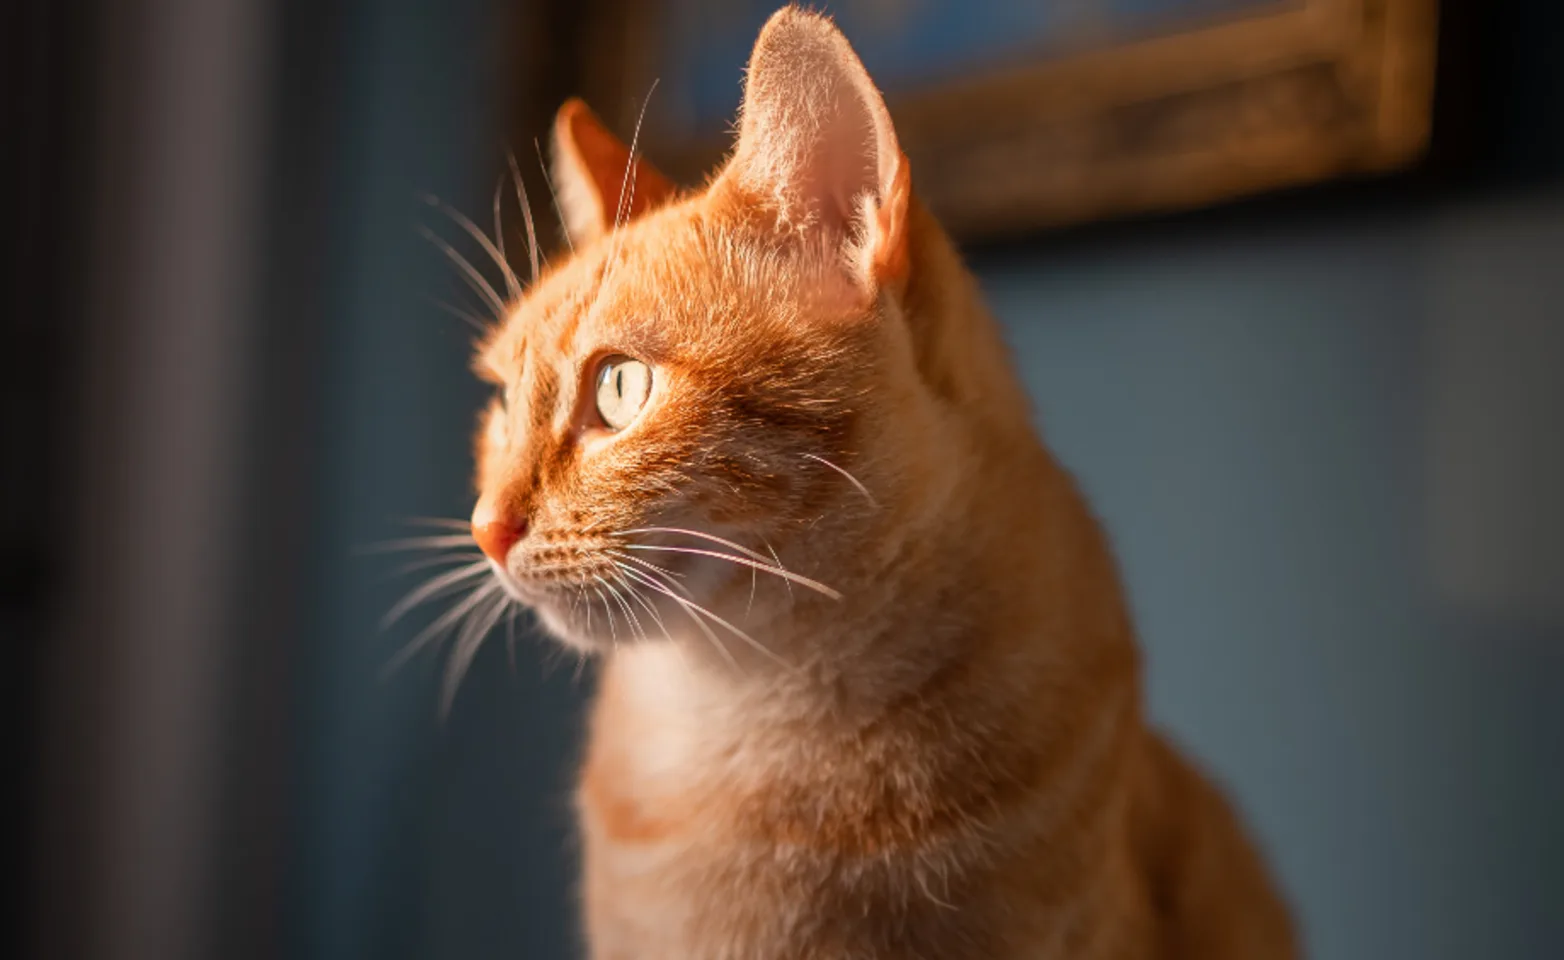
<point x="792" y="13"/>
<point x="793" y="25"/>
<point x="570" y="114"/>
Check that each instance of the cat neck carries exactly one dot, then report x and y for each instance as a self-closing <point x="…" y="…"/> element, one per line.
<point x="1007" y="594"/>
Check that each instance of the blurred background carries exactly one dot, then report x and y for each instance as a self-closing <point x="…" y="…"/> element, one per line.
<point x="1286" y="280"/>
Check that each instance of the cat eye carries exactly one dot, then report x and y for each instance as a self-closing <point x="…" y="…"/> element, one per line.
<point x="623" y="384"/>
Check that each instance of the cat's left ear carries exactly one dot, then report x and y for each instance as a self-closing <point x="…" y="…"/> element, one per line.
<point x="816" y="140"/>
<point x="596" y="185"/>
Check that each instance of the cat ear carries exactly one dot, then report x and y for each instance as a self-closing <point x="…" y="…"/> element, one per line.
<point x="815" y="138"/>
<point x="596" y="185"/>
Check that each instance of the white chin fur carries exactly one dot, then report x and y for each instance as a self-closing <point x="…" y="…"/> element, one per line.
<point x="574" y="632"/>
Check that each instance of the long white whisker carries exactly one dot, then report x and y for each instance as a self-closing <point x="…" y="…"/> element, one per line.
<point x="526" y="213"/>
<point x="510" y="636"/>
<point x="651" y="611"/>
<point x="665" y="570"/>
<point x="444" y="622"/>
<point x="445" y="541"/>
<point x="754" y="581"/>
<point x="439" y="560"/>
<point x="468" y="642"/>
<point x="608" y="611"/>
<point x="704" y="536"/>
<point x="635" y="595"/>
<point x="443" y="523"/>
<point x="512" y="284"/>
<point x="448" y="582"/>
<point x="850" y="479"/>
<point x="657" y="574"/>
<point x="762" y="648"/>
<point x="499" y="226"/>
<point x="627" y="182"/>
<point x="474" y="279"/>
<point x="472" y="320"/>
<point x="685" y="606"/>
<point x="554" y="194"/>
<point x="655" y="569"/>
<point x="802" y="581"/>
<point x="630" y="617"/>
<point x="773" y="551"/>
<point x="651" y="566"/>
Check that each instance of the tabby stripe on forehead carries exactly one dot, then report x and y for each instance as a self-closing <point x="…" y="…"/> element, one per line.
<point x="567" y="331"/>
<point x="576" y="308"/>
<point x="545" y="396"/>
<point x="552" y="454"/>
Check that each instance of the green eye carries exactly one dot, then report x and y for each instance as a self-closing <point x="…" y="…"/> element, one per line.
<point x="623" y="385"/>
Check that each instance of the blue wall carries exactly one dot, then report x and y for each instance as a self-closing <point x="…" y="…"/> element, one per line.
<point x="421" y="836"/>
<point x="1332" y="459"/>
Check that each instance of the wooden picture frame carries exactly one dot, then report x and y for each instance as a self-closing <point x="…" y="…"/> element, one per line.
<point x="1264" y="96"/>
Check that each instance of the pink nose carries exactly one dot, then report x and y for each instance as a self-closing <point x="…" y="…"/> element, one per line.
<point x="496" y="530"/>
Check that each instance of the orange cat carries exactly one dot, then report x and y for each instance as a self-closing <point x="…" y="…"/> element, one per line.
<point x="869" y="688"/>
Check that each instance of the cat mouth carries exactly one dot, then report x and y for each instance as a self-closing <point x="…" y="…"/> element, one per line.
<point x="644" y="584"/>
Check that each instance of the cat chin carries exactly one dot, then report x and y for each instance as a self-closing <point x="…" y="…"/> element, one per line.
<point x="560" y="626"/>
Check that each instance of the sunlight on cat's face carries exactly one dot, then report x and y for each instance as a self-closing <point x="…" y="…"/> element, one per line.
<point x="686" y="402"/>
<point x="666" y="404"/>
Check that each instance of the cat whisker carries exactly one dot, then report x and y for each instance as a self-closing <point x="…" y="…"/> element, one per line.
<point x="654" y="568"/>
<point x="449" y="582"/>
<point x="651" y="611"/>
<point x="622" y="210"/>
<point x="468" y="643"/>
<point x="693" y="607"/>
<point x="499" y="220"/>
<point x="404" y="544"/>
<point x="655" y="572"/>
<point x="754" y="583"/>
<point x="608" y="611"/>
<point x="512" y="284"/>
<point x="703" y="536"/>
<point x="472" y="320"/>
<point x="444" y="622"/>
<point x="626" y="190"/>
<point x="510" y="636"/>
<point x="438" y="560"/>
<point x="773" y="551"/>
<point x="685" y="606"/>
<point x="548" y="181"/>
<point x="526" y="213"/>
<point x="598" y="589"/>
<point x="802" y="581"/>
<point x="635" y="595"/>
<point x="469" y="273"/>
<point x="444" y="523"/>
<point x="630" y="617"/>
<point x="850" y="479"/>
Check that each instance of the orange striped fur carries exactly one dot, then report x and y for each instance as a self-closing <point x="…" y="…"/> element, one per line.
<point x="943" y="754"/>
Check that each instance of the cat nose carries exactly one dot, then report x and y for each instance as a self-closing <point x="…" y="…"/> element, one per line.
<point x="496" y="530"/>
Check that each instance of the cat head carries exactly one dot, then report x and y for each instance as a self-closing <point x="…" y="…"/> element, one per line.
<point x="702" y="415"/>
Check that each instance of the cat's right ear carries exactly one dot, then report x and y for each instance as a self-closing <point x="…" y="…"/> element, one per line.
<point x="597" y="187"/>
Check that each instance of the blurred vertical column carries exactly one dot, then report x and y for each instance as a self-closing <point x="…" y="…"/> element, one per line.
<point x="132" y="738"/>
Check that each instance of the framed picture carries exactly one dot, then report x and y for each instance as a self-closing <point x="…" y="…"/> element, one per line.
<point x="1018" y="116"/>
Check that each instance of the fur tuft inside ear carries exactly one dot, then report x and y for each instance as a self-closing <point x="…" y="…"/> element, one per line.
<point x="816" y="140"/>
<point x="597" y="186"/>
